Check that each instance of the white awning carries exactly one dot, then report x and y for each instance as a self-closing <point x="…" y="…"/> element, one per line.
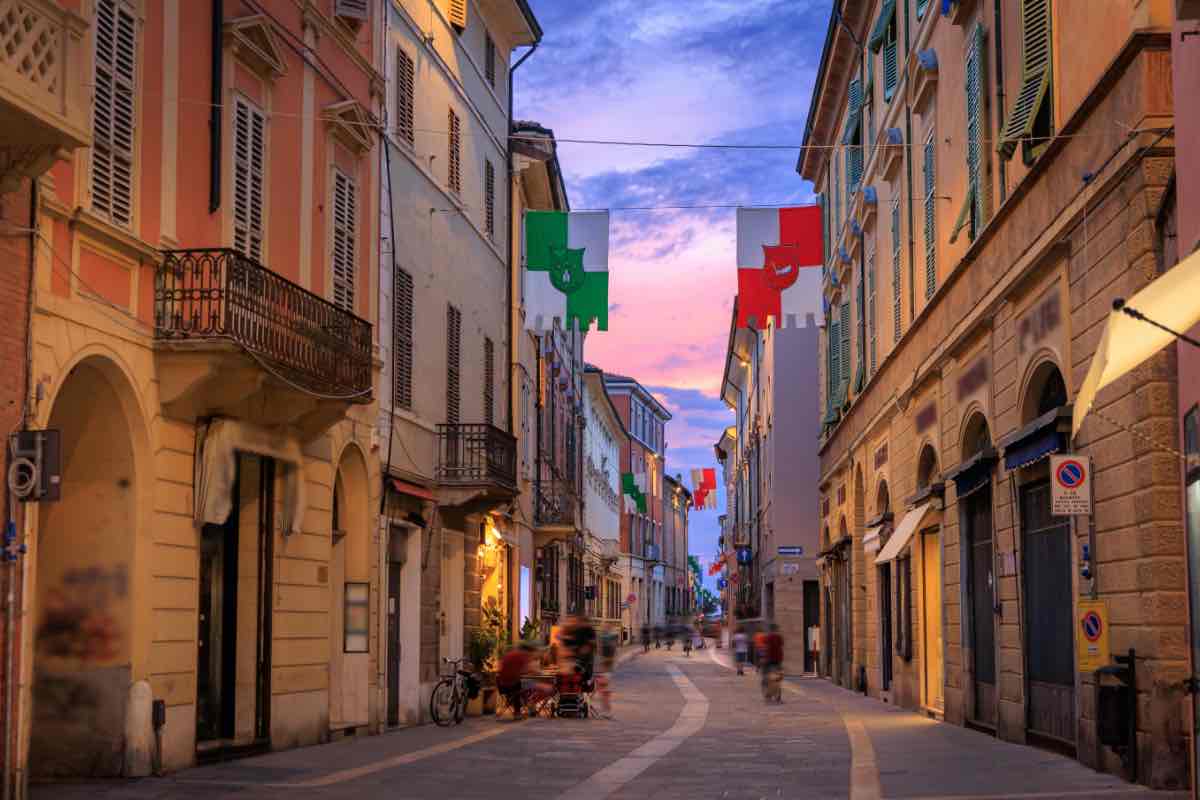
<point x="871" y="539"/>
<point x="904" y="532"/>
<point x="1170" y="300"/>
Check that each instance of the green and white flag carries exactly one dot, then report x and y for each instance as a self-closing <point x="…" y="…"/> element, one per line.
<point x="566" y="269"/>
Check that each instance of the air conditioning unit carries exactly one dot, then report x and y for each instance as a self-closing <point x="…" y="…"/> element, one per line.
<point x="35" y="466"/>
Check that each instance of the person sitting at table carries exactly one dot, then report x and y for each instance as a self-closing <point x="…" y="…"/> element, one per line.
<point x="509" y="679"/>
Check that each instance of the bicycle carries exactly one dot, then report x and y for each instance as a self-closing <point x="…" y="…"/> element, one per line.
<point x="448" y="703"/>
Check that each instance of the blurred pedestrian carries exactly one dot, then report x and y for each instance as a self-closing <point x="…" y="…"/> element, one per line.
<point x="645" y="638"/>
<point x="760" y="643"/>
<point x="686" y="636"/>
<point x="697" y="638"/>
<point x="510" y="678"/>
<point x="772" y="665"/>
<point x="606" y="665"/>
<point x="740" y="645"/>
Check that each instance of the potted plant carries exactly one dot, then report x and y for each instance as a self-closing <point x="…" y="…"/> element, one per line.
<point x="480" y="648"/>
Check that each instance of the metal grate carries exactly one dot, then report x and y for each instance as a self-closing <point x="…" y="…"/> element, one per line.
<point x="489" y="198"/>
<point x="113" y="113"/>
<point x="402" y="322"/>
<point x="454" y="159"/>
<point x="405" y="88"/>
<point x="489" y="381"/>
<point x="453" y="365"/>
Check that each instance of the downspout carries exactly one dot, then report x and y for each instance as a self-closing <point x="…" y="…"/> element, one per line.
<point x="998" y="37"/>
<point x="513" y="349"/>
<point x="912" y="295"/>
<point x="214" y="116"/>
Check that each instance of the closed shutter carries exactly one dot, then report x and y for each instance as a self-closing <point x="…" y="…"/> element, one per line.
<point x="860" y="333"/>
<point x="871" y="334"/>
<point x="890" y="69"/>
<point x="113" y="112"/>
<point x="979" y="185"/>
<point x="921" y="6"/>
<point x="930" y="214"/>
<point x="845" y="353"/>
<point x="489" y="198"/>
<point x="1035" y="75"/>
<point x="345" y="214"/>
<point x="249" y="155"/>
<point x="825" y="233"/>
<point x="402" y="321"/>
<point x="453" y="365"/>
<point x="456" y="12"/>
<point x="454" y="156"/>
<point x="489" y="59"/>
<point x="835" y="362"/>
<point x="353" y="9"/>
<point x="405" y="88"/>
<point x="896" y="323"/>
<point x="853" y="140"/>
<point x="489" y="382"/>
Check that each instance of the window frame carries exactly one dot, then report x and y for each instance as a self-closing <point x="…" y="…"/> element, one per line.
<point x="124" y="86"/>
<point x="350" y="232"/>
<point x="240" y="103"/>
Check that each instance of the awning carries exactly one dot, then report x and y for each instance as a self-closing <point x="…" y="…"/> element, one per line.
<point x="412" y="489"/>
<point x="974" y="473"/>
<point x="216" y="470"/>
<point x="1169" y="300"/>
<point x="1040" y="438"/>
<point x="871" y="540"/>
<point x="904" y="532"/>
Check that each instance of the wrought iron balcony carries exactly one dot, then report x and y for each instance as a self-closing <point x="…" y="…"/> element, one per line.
<point x="217" y="294"/>
<point x="555" y="503"/>
<point x="477" y="455"/>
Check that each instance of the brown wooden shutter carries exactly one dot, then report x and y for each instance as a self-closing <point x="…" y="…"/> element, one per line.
<point x="489" y="198"/>
<point x="453" y="365"/>
<point x="114" y="113"/>
<point x="489" y="381"/>
<point x="405" y="88"/>
<point x="402" y="321"/>
<point x="454" y="156"/>
<point x="457" y="14"/>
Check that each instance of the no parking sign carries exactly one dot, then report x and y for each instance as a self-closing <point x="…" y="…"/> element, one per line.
<point x="1091" y="635"/>
<point x="1070" y="485"/>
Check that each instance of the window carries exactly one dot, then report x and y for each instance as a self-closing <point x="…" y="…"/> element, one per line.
<point x="489" y="59"/>
<point x="456" y="12"/>
<point x="930" y="216"/>
<point x="1030" y="119"/>
<point x="356" y="10"/>
<point x="833" y="351"/>
<point x="345" y="225"/>
<point x="114" y="114"/>
<point x="896" y="323"/>
<point x="356" y="619"/>
<point x="883" y="41"/>
<point x="453" y="364"/>
<point x="405" y="89"/>
<point x="852" y="139"/>
<point x="489" y="198"/>
<point x="489" y="381"/>
<point x="454" y="157"/>
<point x="844" y="356"/>
<point x="921" y="6"/>
<point x="547" y="574"/>
<point x="977" y="203"/>
<point x="402" y="322"/>
<point x="869" y="247"/>
<point x="249" y="155"/>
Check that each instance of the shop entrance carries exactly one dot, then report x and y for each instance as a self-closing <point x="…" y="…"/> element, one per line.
<point x="233" y="670"/>
<point x="980" y="585"/>
<point x="395" y="569"/>
<point x="931" y="619"/>
<point x="885" y="626"/>
<point x="812" y="622"/>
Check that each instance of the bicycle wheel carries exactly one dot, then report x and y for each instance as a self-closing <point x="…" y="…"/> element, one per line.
<point x="441" y="702"/>
<point x="460" y="704"/>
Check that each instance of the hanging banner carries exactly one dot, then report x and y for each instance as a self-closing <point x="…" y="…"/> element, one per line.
<point x="779" y="252"/>
<point x="566" y="269"/>
<point x="635" y="493"/>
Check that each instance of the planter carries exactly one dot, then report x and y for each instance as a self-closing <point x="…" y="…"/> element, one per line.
<point x="488" y="696"/>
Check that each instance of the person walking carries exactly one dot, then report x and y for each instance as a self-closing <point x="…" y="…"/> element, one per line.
<point x="760" y="642"/>
<point x="687" y="640"/>
<point x="772" y="665"/>
<point x="607" y="664"/>
<point x="645" y="638"/>
<point x="740" y="645"/>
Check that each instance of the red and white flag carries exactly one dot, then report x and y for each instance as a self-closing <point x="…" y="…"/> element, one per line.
<point x="704" y="488"/>
<point x="779" y="254"/>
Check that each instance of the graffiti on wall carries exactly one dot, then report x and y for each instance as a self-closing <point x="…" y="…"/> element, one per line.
<point x="78" y="620"/>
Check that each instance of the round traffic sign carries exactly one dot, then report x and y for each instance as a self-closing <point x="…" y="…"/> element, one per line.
<point x="1070" y="474"/>
<point x="1092" y="626"/>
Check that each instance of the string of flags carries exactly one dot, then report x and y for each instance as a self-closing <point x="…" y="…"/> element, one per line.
<point x="566" y="269"/>
<point x="704" y="488"/>
<point x="779" y="256"/>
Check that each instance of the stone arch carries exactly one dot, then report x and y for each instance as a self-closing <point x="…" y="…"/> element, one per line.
<point x="349" y="591"/>
<point x="976" y="433"/>
<point x="927" y="466"/>
<point x="89" y="567"/>
<point x="1043" y="389"/>
<point x="883" y="499"/>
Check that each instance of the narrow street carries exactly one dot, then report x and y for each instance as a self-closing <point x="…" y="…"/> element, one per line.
<point x="684" y="727"/>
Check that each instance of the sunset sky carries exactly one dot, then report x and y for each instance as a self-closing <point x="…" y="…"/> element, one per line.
<point x="702" y="71"/>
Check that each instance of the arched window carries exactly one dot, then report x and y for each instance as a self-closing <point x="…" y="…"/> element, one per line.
<point x="883" y="500"/>
<point x="927" y="468"/>
<point x="1046" y="392"/>
<point x="977" y="437"/>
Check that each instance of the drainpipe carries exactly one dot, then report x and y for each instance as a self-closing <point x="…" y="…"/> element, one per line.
<point x="912" y="296"/>
<point x="513" y="350"/>
<point x="214" y="117"/>
<point x="999" y="40"/>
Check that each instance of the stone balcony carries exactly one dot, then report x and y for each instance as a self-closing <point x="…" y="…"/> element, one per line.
<point x="44" y="97"/>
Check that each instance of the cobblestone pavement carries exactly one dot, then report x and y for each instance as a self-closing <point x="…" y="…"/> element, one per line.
<point x="684" y="727"/>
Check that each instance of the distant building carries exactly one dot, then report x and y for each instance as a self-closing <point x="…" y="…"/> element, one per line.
<point x="604" y="440"/>
<point x="677" y="503"/>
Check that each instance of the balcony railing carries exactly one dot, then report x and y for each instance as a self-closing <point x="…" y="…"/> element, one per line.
<point x="219" y="294"/>
<point x="555" y="502"/>
<point x="476" y="455"/>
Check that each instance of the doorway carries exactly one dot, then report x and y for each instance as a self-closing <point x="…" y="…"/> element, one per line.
<point x="397" y="557"/>
<point x="931" y="622"/>
<point x="233" y="669"/>
<point x="980" y="585"/>
<point x="885" y="626"/>
<point x="812" y="623"/>
<point x="1046" y="579"/>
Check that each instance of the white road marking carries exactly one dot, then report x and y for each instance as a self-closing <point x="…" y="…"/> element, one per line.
<point x="611" y="778"/>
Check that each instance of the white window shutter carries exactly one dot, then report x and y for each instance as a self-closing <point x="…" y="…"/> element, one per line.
<point x="352" y="9"/>
<point x="457" y="13"/>
<point x="249" y="156"/>
<point x="113" y="112"/>
<point x="344" y="225"/>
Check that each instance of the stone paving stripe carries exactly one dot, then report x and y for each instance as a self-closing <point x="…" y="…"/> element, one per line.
<point x="689" y="722"/>
<point x="1115" y="792"/>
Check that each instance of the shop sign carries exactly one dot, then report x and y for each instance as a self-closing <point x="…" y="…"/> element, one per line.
<point x="1041" y="321"/>
<point x="841" y="495"/>
<point x="881" y="455"/>
<point x="791" y="550"/>
<point x="790" y="568"/>
<point x="973" y="379"/>
<point x="1091" y="635"/>
<point x="926" y="417"/>
<point x="1070" y="485"/>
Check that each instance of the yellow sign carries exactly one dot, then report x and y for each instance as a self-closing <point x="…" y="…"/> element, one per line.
<point x="1091" y="635"/>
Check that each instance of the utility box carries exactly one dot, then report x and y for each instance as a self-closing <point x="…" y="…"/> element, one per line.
<point x="1112" y="715"/>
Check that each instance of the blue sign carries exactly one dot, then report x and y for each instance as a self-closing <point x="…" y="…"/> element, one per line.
<point x="744" y="556"/>
<point x="722" y="583"/>
<point x="791" y="550"/>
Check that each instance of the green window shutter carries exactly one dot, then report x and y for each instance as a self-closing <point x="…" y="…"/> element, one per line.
<point x="978" y="173"/>
<point x="887" y="14"/>
<point x="896" y="326"/>
<point x="835" y="361"/>
<point x="870" y="260"/>
<point x="963" y="214"/>
<point x="844" y="356"/>
<point x="860" y="348"/>
<point x="921" y="6"/>
<point x="1035" y="75"/>
<point x="890" y="73"/>
<point x="930" y="214"/>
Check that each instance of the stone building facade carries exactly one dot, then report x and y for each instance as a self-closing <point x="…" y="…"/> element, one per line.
<point x="982" y="210"/>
